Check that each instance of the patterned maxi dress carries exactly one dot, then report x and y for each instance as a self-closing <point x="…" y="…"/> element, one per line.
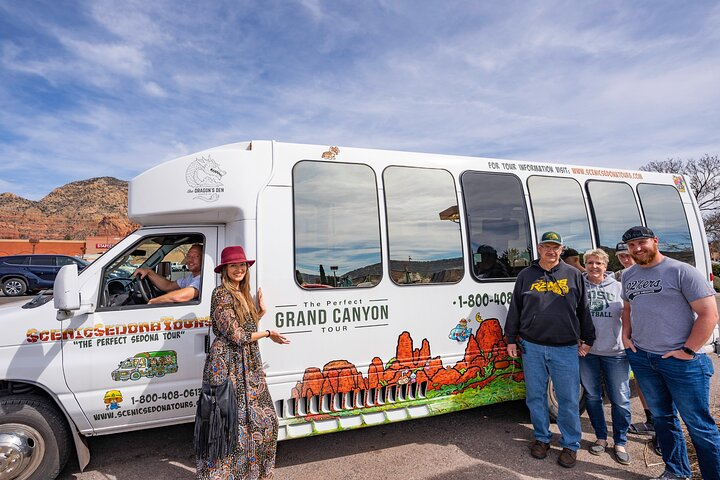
<point x="254" y="456"/>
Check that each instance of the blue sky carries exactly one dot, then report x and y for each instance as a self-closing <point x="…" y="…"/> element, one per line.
<point x="112" y="88"/>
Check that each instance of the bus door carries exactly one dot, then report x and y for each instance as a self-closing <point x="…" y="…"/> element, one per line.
<point x="134" y="363"/>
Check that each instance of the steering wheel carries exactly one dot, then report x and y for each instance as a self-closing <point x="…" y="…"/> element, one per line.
<point x="143" y="287"/>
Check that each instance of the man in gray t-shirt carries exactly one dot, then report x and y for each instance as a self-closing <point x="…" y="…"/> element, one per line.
<point x="660" y="298"/>
<point x="669" y="314"/>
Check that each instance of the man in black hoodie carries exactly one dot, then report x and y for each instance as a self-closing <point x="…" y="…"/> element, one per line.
<point x="549" y="323"/>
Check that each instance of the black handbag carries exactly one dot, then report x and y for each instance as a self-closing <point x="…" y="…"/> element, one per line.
<point x="216" y="421"/>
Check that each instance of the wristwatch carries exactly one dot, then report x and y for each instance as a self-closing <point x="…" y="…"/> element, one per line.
<point x="689" y="351"/>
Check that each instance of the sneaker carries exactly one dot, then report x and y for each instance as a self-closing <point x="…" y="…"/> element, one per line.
<point x="598" y="448"/>
<point x="656" y="445"/>
<point x="642" y="428"/>
<point x="621" y="456"/>
<point x="567" y="458"/>
<point x="669" y="476"/>
<point x="539" y="449"/>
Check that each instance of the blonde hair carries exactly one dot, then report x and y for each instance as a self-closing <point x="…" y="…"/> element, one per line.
<point x="596" y="252"/>
<point x="243" y="303"/>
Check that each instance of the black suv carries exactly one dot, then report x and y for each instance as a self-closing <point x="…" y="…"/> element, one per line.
<point x="20" y="274"/>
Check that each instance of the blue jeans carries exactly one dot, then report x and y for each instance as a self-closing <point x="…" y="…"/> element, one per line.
<point x="686" y="384"/>
<point x="615" y="373"/>
<point x="560" y="364"/>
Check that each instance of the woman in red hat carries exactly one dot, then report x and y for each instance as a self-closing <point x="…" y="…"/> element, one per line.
<point x="234" y="354"/>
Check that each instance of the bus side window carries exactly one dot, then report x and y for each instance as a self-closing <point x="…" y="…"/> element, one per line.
<point x="337" y="225"/>
<point x="558" y="205"/>
<point x="497" y="224"/>
<point x="424" y="241"/>
<point x="665" y="215"/>
<point x="614" y="210"/>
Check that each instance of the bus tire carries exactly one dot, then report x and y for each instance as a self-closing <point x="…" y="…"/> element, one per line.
<point x="33" y="428"/>
<point x="553" y="402"/>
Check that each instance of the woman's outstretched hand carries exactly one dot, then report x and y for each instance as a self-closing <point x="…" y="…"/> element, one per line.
<point x="277" y="338"/>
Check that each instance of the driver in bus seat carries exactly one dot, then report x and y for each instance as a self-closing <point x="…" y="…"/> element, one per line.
<point x="487" y="264"/>
<point x="180" y="290"/>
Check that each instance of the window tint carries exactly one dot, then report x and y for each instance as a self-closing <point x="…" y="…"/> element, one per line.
<point x="665" y="215"/>
<point x="65" y="261"/>
<point x="614" y="210"/>
<point x="42" y="260"/>
<point x="337" y="226"/>
<point x="497" y="224"/>
<point x="17" y="260"/>
<point x="558" y="206"/>
<point x="424" y="241"/>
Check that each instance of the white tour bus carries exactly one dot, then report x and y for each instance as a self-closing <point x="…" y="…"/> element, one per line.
<point x="390" y="272"/>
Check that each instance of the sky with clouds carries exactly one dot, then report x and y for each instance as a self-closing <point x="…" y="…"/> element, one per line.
<point x="95" y="88"/>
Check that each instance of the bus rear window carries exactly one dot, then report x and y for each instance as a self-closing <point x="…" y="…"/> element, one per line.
<point x="665" y="215"/>
<point x="337" y="225"/>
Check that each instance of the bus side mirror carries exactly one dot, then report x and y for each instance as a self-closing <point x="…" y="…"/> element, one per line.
<point x="66" y="292"/>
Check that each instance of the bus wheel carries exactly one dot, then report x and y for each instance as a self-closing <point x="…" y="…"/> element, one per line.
<point x="160" y="373"/>
<point x="553" y="401"/>
<point x="135" y="376"/>
<point x="34" y="438"/>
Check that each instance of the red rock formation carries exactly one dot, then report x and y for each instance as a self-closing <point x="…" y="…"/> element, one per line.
<point x="445" y="376"/>
<point x="312" y="383"/>
<point x="86" y="208"/>
<point x="375" y="372"/>
<point x="487" y="348"/>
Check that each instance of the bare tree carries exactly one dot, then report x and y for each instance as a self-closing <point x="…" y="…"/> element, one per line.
<point x="703" y="176"/>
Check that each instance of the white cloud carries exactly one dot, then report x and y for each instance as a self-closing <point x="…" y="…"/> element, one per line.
<point x="113" y="88"/>
<point x="153" y="89"/>
<point x="121" y="59"/>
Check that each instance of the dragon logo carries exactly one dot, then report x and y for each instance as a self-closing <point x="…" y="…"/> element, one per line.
<point x="203" y="176"/>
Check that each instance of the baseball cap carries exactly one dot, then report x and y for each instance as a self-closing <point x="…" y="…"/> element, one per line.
<point x="569" y="252"/>
<point x="639" y="231"/>
<point x="621" y="248"/>
<point x="551" y="237"/>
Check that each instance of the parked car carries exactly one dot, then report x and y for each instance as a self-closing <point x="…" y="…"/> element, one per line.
<point x="21" y="274"/>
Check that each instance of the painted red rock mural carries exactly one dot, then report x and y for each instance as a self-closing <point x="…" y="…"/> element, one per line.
<point x="486" y="348"/>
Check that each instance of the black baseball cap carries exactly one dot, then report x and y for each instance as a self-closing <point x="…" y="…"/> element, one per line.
<point x="634" y="233"/>
<point x="621" y="248"/>
<point x="569" y="252"/>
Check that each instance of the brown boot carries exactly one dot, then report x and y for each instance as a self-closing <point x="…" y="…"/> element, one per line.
<point x="567" y="458"/>
<point x="539" y="449"/>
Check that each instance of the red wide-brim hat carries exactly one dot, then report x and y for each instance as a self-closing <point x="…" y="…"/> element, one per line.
<point x="230" y="255"/>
